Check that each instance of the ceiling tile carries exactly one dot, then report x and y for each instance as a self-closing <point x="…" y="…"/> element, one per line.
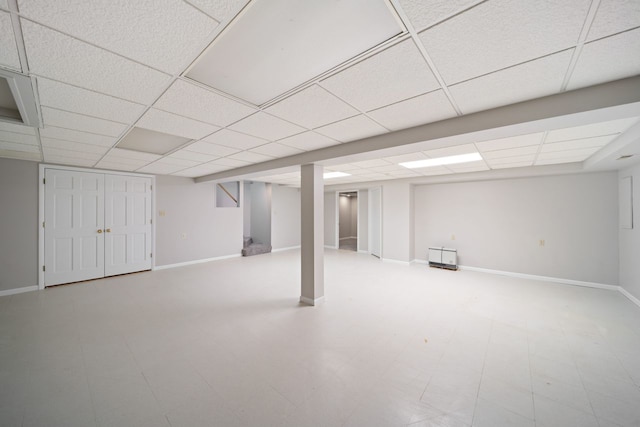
<point x="424" y="14"/>
<point x="74" y="121"/>
<point x="451" y="151"/>
<point x="596" y="129"/>
<point x="77" y="136"/>
<point x="403" y="174"/>
<point x="192" y="156"/>
<point x="178" y="161"/>
<point x="308" y="141"/>
<point x="111" y="165"/>
<point x="3" y="4"/>
<point x="16" y="128"/>
<point x="200" y="170"/>
<point x="276" y="150"/>
<point x="212" y="149"/>
<point x="511" y="142"/>
<point x="22" y="155"/>
<point x="202" y="104"/>
<point x="70" y="98"/>
<point x="357" y="127"/>
<point x="61" y="160"/>
<point x="342" y="168"/>
<point x="607" y="59"/>
<point x="18" y="138"/>
<point x="163" y="34"/>
<point x="229" y="163"/>
<point x="220" y="10"/>
<point x="510" y="152"/>
<point x="160" y="168"/>
<point x="54" y="55"/>
<point x="614" y="16"/>
<point x="502" y="33"/>
<point x="8" y="50"/>
<point x="530" y="80"/>
<point x="250" y="157"/>
<point x="395" y="74"/>
<point x="131" y="155"/>
<point x="14" y="146"/>
<point x="149" y="141"/>
<point x="511" y="160"/>
<point x="371" y="163"/>
<point x="74" y="154"/>
<point x="469" y="167"/>
<point x="411" y="157"/>
<point x="427" y="108"/>
<point x="237" y="140"/>
<point x="312" y="107"/>
<point x="161" y="121"/>
<point x="73" y="146"/>
<point x="266" y="126"/>
<point x="511" y="165"/>
<point x="572" y="155"/>
<point x="595" y="142"/>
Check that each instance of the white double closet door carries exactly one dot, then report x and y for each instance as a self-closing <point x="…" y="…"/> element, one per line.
<point x="96" y="225"/>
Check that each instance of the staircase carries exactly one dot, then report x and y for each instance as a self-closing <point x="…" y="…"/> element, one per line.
<point x="249" y="248"/>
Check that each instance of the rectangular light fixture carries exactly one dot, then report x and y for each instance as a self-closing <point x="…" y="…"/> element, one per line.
<point x="329" y="175"/>
<point x="149" y="141"/>
<point x="442" y="161"/>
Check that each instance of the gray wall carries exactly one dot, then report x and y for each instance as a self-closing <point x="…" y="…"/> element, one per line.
<point x="630" y="240"/>
<point x="261" y="212"/>
<point x="344" y="213"/>
<point x="18" y="224"/>
<point x="246" y="209"/>
<point x="498" y="224"/>
<point x="353" y="207"/>
<point x="330" y="219"/>
<point x="397" y="228"/>
<point x="190" y="209"/>
<point x="285" y="217"/>
<point x="363" y="215"/>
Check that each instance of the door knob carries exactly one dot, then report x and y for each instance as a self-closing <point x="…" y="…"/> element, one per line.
<point x="108" y="230"/>
<point x="99" y="231"/>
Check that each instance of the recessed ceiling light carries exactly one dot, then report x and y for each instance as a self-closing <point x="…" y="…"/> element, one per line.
<point x="149" y="141"/>
<point x="441" y="161"/>
<point x="275" y="46"/>
<point x="329" y="175"/>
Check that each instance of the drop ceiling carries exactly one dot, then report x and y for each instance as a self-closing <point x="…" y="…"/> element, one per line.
<point x="101" y="71"/>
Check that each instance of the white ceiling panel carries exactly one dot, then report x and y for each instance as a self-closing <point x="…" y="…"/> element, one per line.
<point x="211" y="149"/>
<point x="131" y="155"/>
<point x="560" y="161"/>
<point x="200" y="170"/>
<point x="22" y="155"/>
<point x="265" y="126"/>
<point x="469" y="167"/>
<point x="3" y="4"/>
<point x="511" y="165"/>
<point x="160" y="168"/>
<point x="163" y="34"/>
<point x="607" y="59"/>
<point x="530" y="80"/>
<point x="345" y="167"/>
<point x="179" y="161"/>
<point x="426" y="108"/>
<point x="276" y="150"/>
<point x="511" y="142"/>
<point x="596" y="129"/>
<point x="397" y="73"/>
<point x="312" y="107"/>
<point x="70" y="98"/>
<point x="511" y="160"/>
<point x="73" y="146"/>
<point x="74" y="121"/>
<point x="228" y="163"/>
<point x="573" y="155"/>
<point x="365" y="164"/>
<point x="110" y="165"/>
<point x="161" y="121"/>
<point x="308" y="141"/>
<point x="237" y="140"/>
<point x="69" y="161"/>
<point x="451" y="151"/>
<point x="403" y="174"/>
<point x="614" y="16"/>
<point x="192" y="156"/>
<point x="60" y="57"/>
<point x="16" y="128"/>
<point x="14" y="146"/>
<point x="18" y="138"/>
<point x="596" y="142"/>
<point x="510" y="152"/>
<point x="193" y="101"/>
<point x="77" y="136"/>
<point x="424" y="14"/>
<point x="220" y="10"/>
<point x="351" y="129"/>
<point x="74" y="154"/>
<point x="247" y="156"/>
<point x="8" y="48"/>
<point x="502" y="33"/>
<point x="411" y="157"/>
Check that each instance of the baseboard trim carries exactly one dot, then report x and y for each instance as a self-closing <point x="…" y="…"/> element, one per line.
<point x="311" y="301"/>
<point x="395" y="261"/>
<point x="15" y="291"/>
<point x="197" y="261"/>
<point x="626" y="293"/>
<point x="288" y="248"/>
<point x="540" y="278"/>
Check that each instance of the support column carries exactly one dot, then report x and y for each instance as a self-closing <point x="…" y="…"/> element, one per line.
<point x="312" y="234"/>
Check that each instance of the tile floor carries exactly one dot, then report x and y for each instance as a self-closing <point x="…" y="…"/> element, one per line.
<point x="227" y="344"/>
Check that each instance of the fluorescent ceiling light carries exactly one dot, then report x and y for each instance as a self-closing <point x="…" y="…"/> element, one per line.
<point x="441" y="161"/>
<point x="276" y="45"/>
<point x="17" y="101"/>
<point x="149" y="141"/>
<point x="329" y="175"/>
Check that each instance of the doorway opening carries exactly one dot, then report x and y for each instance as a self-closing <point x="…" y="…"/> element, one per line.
<point x="348" y="220"/>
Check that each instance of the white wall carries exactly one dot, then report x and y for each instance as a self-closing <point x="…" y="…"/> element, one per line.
<point x="330" y="219"/>
<point x="261" y="212"/>
<point x="285" y="217"/>
<point x="344" y="217"/>
<point x="246" y="209"/>
<point x="190" y="209"/>
<point x="353" y="221"/>
<point x="18" y="224"/>
<point x="363" y="217"/>
<point x="498" y="225"/>
<point x="630" y="240"/>
<point x="397" y="227"/>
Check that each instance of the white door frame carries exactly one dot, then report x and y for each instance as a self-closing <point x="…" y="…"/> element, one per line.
<point x="41" y="174"/>
<point x="337" y="226"/>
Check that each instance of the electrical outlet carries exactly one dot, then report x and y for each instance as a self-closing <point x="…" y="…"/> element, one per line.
<point x="183" y="236"/>
<point x="541" y="242"/>
<point x="162" y="213"/>
<point x="453" y="237"/>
